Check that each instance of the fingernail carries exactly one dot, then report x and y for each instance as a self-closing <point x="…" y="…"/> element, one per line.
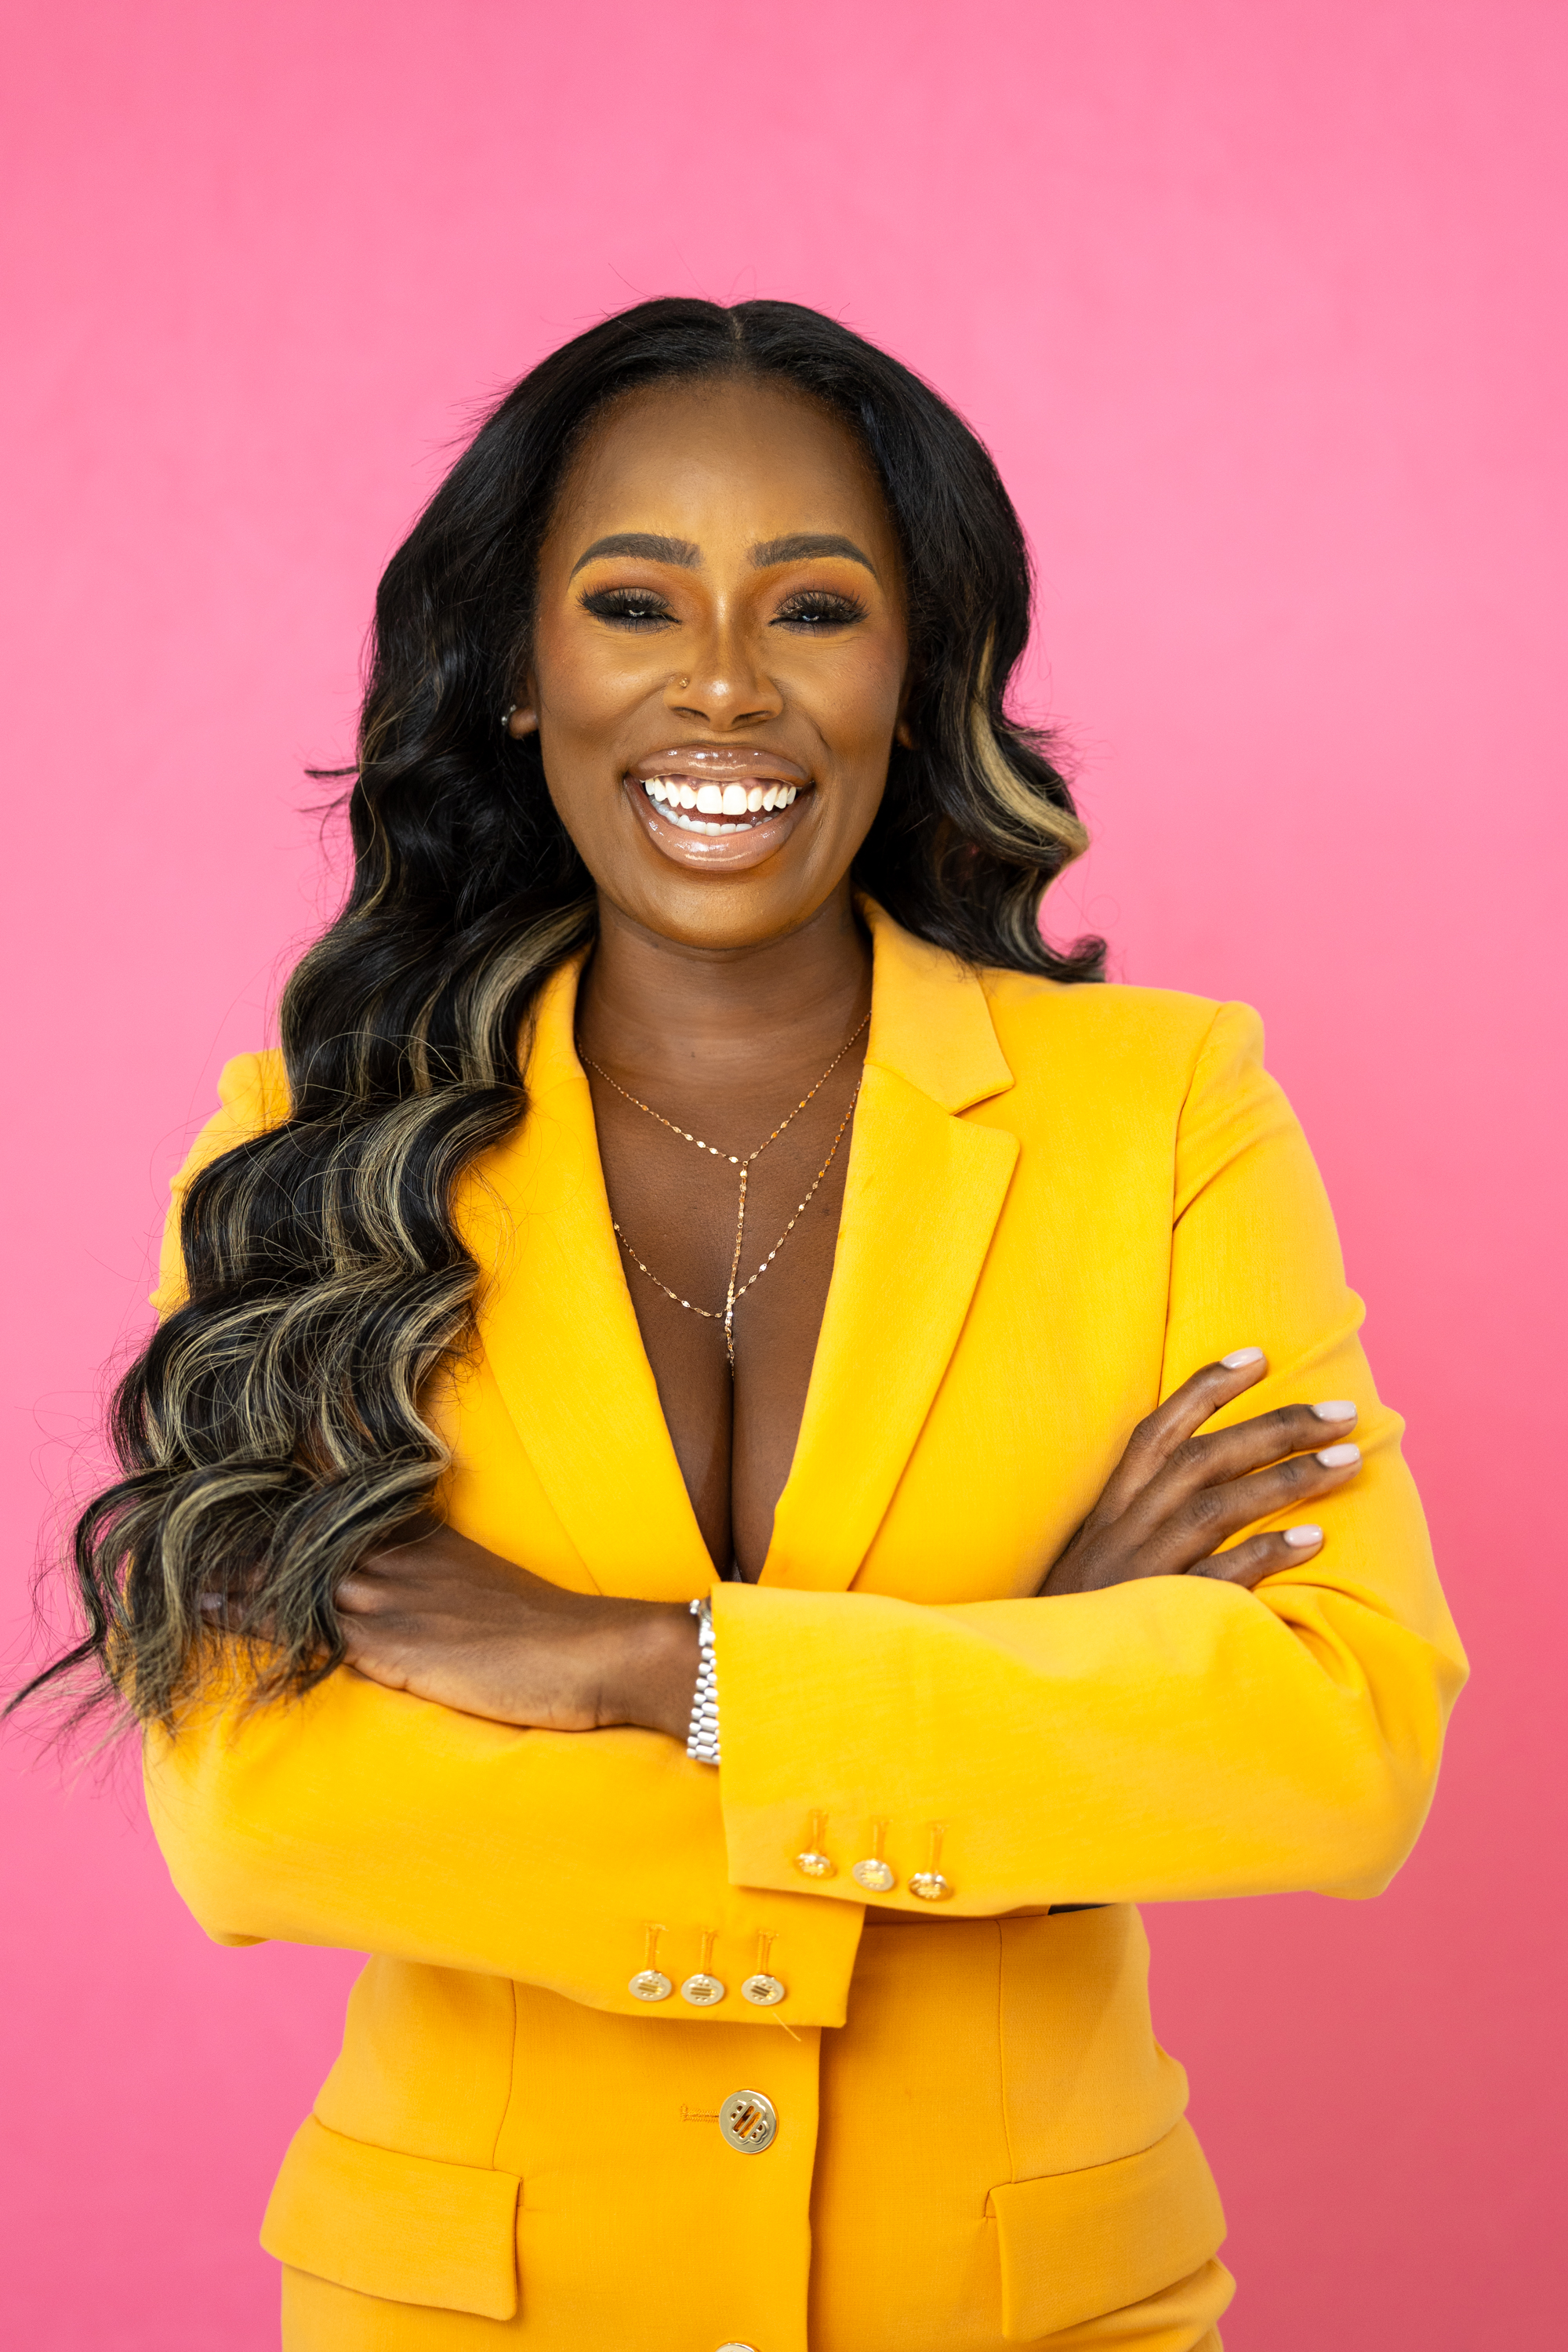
<point x="1302" y="1537"/>
<point x="1335" y="1409"/>
<point x="1240" y="1356"/>
<point x="1339" y="1457"/>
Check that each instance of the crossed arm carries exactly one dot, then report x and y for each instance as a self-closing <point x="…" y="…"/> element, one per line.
<point x="441" y="1618"/>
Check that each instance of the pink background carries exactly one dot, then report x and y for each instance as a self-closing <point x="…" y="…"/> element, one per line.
<point x="1261" y="310"/>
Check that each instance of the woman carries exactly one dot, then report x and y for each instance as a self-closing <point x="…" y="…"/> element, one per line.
<point x="739" y="1458"/>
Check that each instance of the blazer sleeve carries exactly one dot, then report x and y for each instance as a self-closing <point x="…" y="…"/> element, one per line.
<point x="367" y="1819"/>
<point x="1174" y="1738"/>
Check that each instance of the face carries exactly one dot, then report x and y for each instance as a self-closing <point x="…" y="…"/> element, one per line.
<point x="719" y="659"/>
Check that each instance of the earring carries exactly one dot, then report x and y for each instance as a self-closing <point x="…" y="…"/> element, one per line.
<point x="506" y="714"/>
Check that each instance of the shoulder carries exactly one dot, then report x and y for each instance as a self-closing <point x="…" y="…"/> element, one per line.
<point x="1101" y="1033"/>
<point x="253" y="1096"/>
<point x="253" y="1090"/>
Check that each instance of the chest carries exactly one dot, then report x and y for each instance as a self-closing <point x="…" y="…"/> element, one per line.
<point x="728" y="1247"/>
<point x="976" y="1321"/>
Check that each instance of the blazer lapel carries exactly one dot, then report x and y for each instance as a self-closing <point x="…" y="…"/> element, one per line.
<point x="922" y="1195"/>
<point x="560" y="1333"/>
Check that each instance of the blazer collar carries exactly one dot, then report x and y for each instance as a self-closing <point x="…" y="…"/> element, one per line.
<point x="930" y="1023"/>
<point x="922" y="1193"/>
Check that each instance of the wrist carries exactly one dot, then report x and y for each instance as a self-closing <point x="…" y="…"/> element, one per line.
<point x="658" y="1671"/>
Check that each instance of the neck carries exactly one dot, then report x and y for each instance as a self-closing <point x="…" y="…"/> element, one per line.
<point x="675" y="1014"/>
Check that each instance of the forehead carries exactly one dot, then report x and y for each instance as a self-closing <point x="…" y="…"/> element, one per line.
<point x="712" y="462"/>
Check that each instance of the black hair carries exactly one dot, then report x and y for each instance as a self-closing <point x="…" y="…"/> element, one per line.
<point x="274" y="1428"/>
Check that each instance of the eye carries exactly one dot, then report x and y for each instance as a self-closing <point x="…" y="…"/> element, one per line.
<point x="628" y="608"/>
<point x="819" y="608"/>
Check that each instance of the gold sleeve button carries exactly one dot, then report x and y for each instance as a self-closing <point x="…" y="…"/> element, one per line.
<point x="813" y="1863"/>
<point x="873" y="1874"/>
<point x="650" y="1983"/>
<point x="702" y="1988"/>
<point x="928" y="1884"/>
<point x="762" y="1988"/>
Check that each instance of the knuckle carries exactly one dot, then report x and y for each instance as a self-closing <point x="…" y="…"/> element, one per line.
<point x="1208" y="1509"/>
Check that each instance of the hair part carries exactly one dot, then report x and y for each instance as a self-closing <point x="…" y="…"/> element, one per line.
<point x="275" y="1427"/>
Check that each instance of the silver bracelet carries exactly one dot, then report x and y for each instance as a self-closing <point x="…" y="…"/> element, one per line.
<point x="703" y="1738"/>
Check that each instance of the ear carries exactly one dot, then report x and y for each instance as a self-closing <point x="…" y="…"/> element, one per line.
<point x="903" y="734"/>
<point x="522" y="718"/>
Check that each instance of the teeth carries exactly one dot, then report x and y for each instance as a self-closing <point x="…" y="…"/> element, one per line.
<point x="733" y="801"/>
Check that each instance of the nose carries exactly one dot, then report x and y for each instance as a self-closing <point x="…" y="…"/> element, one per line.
<point x="727" y="686"/>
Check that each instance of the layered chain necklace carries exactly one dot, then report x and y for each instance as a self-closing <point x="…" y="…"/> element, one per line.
<point x="736" y="1290"/>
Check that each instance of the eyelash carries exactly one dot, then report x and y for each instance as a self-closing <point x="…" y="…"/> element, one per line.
<point x="821" y="608"/>
<point x="633" y="608"/>
<point x="642" y="608"/>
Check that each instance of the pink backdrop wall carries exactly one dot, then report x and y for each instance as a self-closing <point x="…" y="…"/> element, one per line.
<point x="1260" y="309"/>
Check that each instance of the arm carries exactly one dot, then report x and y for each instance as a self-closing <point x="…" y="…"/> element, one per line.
<point x="365" y="1818"/>
<point x="1177" y="1735"/>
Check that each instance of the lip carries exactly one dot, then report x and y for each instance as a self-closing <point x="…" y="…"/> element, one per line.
<point x="741" y="845"/>
<point x="720" y="763"/>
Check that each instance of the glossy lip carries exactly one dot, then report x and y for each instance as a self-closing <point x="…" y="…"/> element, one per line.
<point x="716" y="764"/>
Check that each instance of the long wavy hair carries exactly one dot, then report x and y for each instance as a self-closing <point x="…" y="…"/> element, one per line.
<point x="273" y="1429"/>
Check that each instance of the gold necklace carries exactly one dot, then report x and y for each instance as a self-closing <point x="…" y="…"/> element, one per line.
<point x="726" y="1314"/>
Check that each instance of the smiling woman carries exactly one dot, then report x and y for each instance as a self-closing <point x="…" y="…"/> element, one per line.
<point x="697" y="1419"/>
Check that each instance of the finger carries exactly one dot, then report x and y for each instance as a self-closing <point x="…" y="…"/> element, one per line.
<point x="1170" y="1425"/>
<point x="1249" y="1562"/>
<point x="1211" y="1458"/>
<point x="1208" y="1518"/>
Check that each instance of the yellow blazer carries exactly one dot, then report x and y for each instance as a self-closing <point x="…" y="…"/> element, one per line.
<point x="1059" y="1201"/>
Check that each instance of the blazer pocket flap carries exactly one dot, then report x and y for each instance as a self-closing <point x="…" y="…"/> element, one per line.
<point x="406" y="2228"/>
<point x="1076" y="2244"/>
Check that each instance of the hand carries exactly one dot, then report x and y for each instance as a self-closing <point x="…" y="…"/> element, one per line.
<point x="443" y="1617"/>
<point x="1175" y="1496"/>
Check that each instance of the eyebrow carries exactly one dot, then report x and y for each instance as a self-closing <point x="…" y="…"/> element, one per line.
<point x="809" y="542"/>
<point x="655" y="548"/>
<point x="647" y="543"/>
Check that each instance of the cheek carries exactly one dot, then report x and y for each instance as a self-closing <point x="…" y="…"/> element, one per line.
<point x="582" y="678"/>
<point x="861" y="705"/>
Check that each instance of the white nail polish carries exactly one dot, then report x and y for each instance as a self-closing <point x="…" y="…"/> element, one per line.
<point x="1240" y="1356"/>
<point x="1302" y="1537"/>
<point x="1339" y="1457"/>
<point x="1335" y="1409"/>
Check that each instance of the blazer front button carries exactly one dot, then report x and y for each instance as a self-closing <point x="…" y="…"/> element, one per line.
<point x="748" y="2122"/>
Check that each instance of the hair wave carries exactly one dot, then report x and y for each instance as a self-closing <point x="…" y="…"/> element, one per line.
<point x="272" y="1431"/>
